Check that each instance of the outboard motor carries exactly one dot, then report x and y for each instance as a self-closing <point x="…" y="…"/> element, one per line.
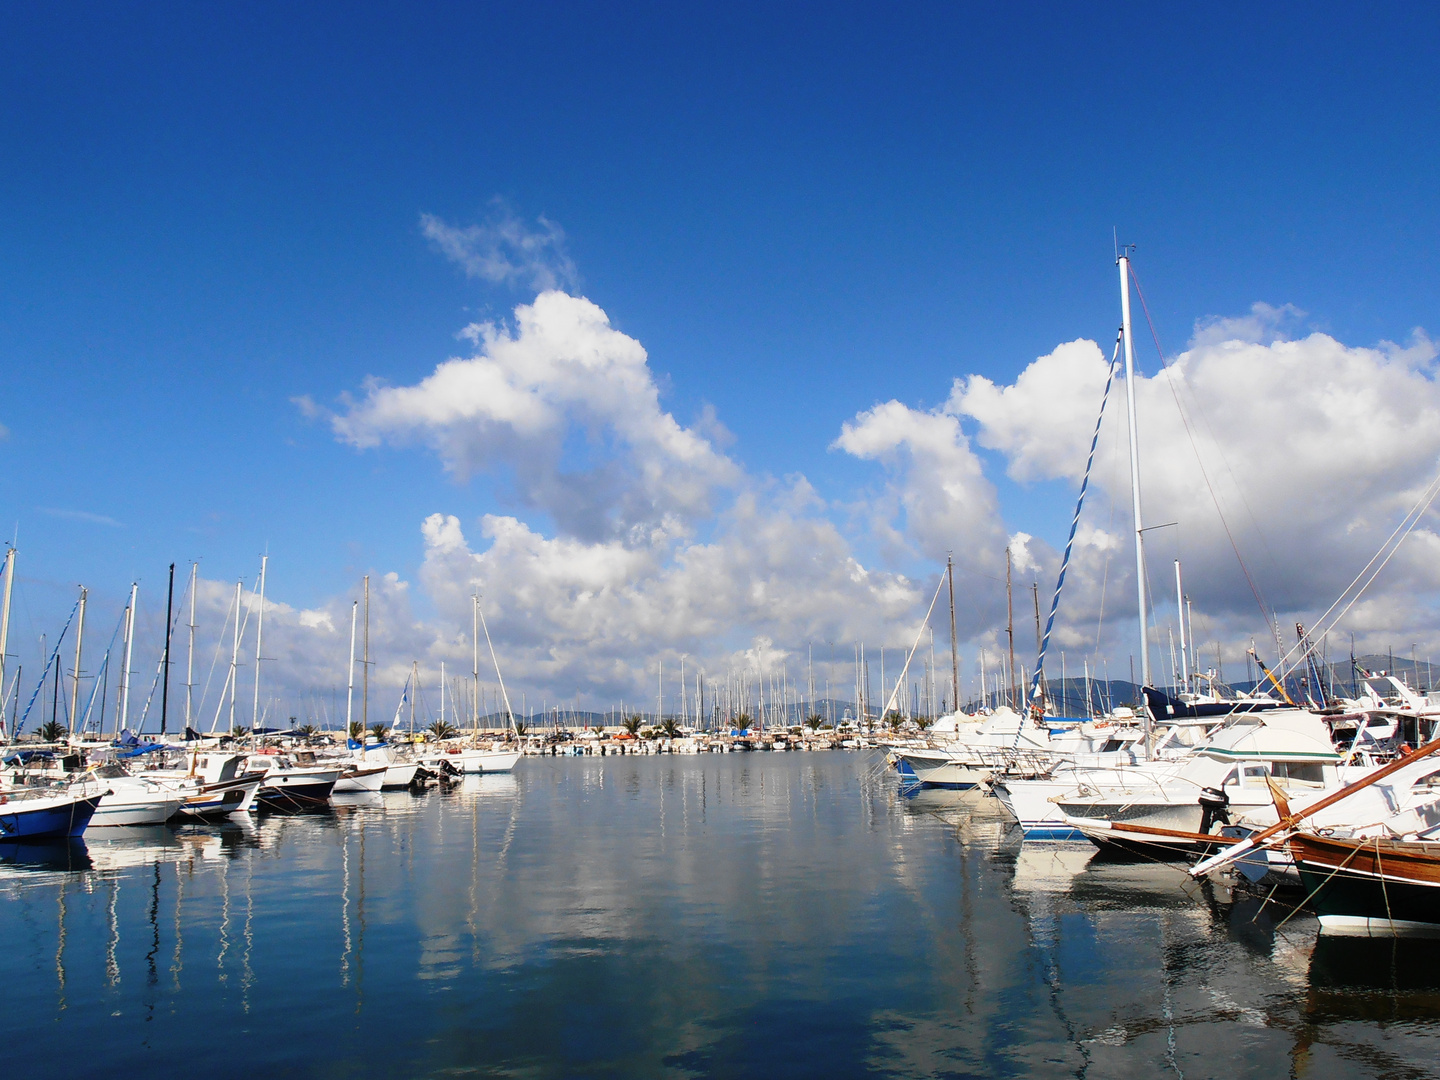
<point x="1214" y="805"/>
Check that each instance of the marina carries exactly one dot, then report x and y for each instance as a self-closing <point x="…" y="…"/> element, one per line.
<point x="720" y="541"/>
<point x="746" y="914"/>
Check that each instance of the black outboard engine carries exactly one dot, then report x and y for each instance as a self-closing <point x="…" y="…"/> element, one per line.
<point x="1214" y="805"/>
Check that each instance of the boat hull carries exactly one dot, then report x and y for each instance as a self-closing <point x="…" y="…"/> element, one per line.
<point x="940" y="771"/>
<point x="154" y="811"/>
<point x="220" y="800"/>
<point x="1370" y="887"/>
<point x="361" y="781"/>
<point x="58" y="819"/>
<point x="400" y="775"/>
<point x="296" y="793"/>
<point x="473" y="762"/>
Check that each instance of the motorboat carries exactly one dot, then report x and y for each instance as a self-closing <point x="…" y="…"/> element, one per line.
<point x="132" y="800"/>
<point x="1230" y="774"/>
<point x="212" y="785"/>
<point x="45" y="814"/>
<point x="964" y="755"/>
<point x="398" y="773"/>
<point x="472" y="760"/>
<point x="358" y="777"/>
<point x="293" y="783"/>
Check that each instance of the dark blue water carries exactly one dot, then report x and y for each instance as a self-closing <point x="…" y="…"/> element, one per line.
<point x="721" y="915"/>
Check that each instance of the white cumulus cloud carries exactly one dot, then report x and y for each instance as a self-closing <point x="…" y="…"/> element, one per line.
<point x="569" y="406"/>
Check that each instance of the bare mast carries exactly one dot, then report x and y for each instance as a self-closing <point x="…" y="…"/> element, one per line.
<point x="1124" y="264"/>
<point x="475" y="662"/>
<point x="350" y="675"/>
<point x="5" y="622"/>
<point x="79" y="639"/>
<point x="259" y="633"/>
<point x="190" y="655"/>
<point x="1013" y="693"/>
<point x="165" y="686"/>
<point x="129" y="649"/>
<point x="1184" y="656"/>
<point x="954" y="644"/>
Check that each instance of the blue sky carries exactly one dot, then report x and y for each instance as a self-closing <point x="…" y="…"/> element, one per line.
<point x="799" y="211"/>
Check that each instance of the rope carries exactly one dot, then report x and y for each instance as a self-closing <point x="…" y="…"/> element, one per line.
<point x="1070" y="541"/>
<point x="889" y="705"/>
<point x="41" y="684"/>
<point x="1317" y="888"/>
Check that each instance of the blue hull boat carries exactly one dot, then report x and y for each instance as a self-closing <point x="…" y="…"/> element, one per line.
<point x="52" y="817"/>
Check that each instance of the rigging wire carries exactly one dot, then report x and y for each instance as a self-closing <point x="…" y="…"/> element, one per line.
<point x="1168" y="367"/>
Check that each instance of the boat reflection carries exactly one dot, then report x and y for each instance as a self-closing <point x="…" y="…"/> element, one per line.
<point x="63" y="856"/>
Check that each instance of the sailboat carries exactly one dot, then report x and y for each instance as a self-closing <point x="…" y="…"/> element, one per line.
<point x="476" y="759"/>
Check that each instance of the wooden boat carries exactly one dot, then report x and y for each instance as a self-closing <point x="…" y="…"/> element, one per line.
<point x="1370" y="887"/>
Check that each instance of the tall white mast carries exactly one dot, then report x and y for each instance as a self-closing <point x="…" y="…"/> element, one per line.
<point x="5" y="618"/>
<point x="129" y="648"/>
<point x="475" y="661"/>
<point x="365" y="667"/>
<point x="442" y="694"/>
<point x="259" y="633"/>
<point x="1184" y="656"/>
<point x="190" y="656"/>
<point x="350" y="676"/>
<point x="1124" y="263"/>
<point x="235" y="658"/>
<point x="79" y="640"/>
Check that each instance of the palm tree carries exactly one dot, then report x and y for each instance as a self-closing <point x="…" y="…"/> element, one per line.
<point x="53" y="731"/>
<point x="742" y="722"/>
<point x="670" y="728"/>
<point x="308" y="731"/>
<point x="239" y="731"/>
<point x="379" y="731"/>
<point x="633" y="724"/>
<point x="893" y="718"/>
<point x="814" y="721"/>
<point x="924" y="721"/>
<point x="442" y="729"/>
<point x="356" y="729"/>
<point x="521" y="728"/>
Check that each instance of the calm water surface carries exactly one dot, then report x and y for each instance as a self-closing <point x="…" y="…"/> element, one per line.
<point x="719" y="915"/>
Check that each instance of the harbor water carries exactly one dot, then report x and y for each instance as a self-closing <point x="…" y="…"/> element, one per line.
<point x="748" y="914"/>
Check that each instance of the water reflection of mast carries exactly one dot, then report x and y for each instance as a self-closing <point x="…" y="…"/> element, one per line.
<point x="345" y="908"/>
<point x="224" y="918"/>
<point x="176" y="961"/>
<point x="152" y="975"/>
<point x="60" y="954"/>
<point x="112" y="963"/>
<point x="360" y="934"/>
<point x="247" y="974"/>
<point x="474" y="914"/>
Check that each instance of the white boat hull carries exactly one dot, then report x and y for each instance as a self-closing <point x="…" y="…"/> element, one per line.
<point x="400" y="774"/>
<point x="361" y="780"/>
<point x="476" y="762"/>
